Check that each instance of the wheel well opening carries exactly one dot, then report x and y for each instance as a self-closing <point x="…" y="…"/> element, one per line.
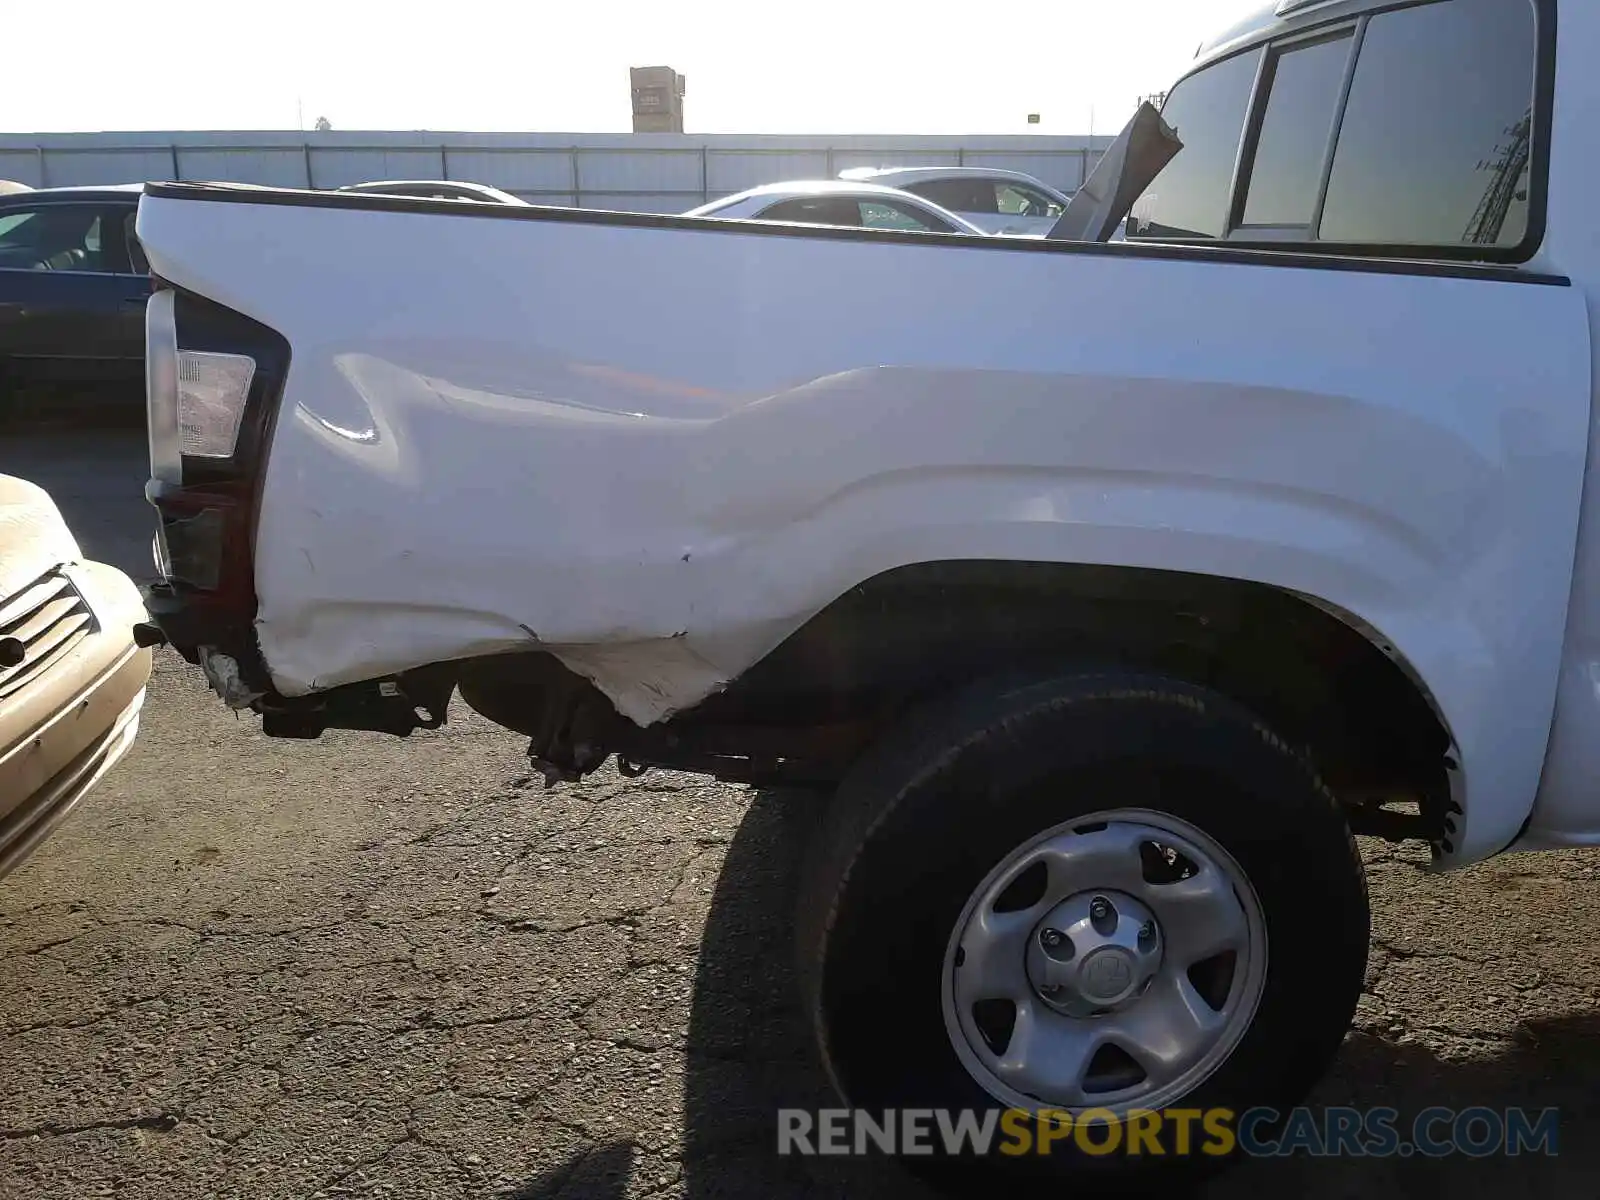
<point x="1340" y="694"/>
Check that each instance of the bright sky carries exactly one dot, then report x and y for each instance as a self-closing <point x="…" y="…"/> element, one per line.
<point x="827" y="66"/>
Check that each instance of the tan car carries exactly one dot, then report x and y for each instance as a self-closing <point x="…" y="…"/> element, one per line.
<point x="72" y="680"/>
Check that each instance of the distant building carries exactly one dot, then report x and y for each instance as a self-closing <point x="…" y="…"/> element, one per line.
<point x="657" y="99"/>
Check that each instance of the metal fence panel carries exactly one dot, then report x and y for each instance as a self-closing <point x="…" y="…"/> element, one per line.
<point x="100" y="165"/>
<point x="889" y="157"/>
<point x="22" y="166"/>
<point x="515" y="170"/>
<point x="335" y="167"/>
<point x="640" y="172"/>
<point x="730" y="171"/>
<point x="273" y="168"/>
<point x="620" y="172"/>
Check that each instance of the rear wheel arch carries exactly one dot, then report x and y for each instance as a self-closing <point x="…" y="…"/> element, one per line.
<point x="1316" y="673"/>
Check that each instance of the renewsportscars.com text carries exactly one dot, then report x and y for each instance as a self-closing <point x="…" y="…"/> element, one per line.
<point x="1217" y="1132"/>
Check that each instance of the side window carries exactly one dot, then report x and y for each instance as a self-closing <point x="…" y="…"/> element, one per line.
<point x="136" y="258"/>
<point x="1190" y="197"/>
<point x="1435" y="144"/>
<point x="54" y="237"/>
<point x="876" y="214"/>
<point x="1303" y="88"/>
<point x="958" y="195"/>
<point x="815" y="210"/>
<point x="1019" y="200"/>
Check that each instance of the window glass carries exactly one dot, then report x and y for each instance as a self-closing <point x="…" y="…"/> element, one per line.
<point x="136" y="258"/>
<point x="55" y="237"/>
<point x="1287" y="169"/>
<point x="875" y="214"/>
<point x="958" y="195"/>
<point x="1189" y="198"/>
<point x="1019" y="200"/>
<point x="815" y="210"/>
<point x="1434" y="148"/>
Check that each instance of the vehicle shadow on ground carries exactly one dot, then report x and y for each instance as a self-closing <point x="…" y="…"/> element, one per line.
<point x="598" y="1174"/>
<point x="749" y="1055"/>
<point x="1549" y="1065"/>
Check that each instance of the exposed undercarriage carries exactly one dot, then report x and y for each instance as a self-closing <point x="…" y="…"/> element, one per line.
<point x="803" y="714"/>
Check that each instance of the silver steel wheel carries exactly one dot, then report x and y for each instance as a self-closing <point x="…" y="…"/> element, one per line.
<point x="1113" y="961"/>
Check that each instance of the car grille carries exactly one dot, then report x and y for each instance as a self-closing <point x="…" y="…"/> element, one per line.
<point x="49" y="618"/>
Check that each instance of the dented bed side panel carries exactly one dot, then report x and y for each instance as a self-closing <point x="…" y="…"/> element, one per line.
<point x="657" y="451"/>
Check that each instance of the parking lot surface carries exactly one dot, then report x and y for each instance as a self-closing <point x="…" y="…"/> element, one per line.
<point x="372" y="967"/>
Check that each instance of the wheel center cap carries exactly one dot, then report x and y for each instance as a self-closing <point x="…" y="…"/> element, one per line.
<point x="1107" y="975"/>
<point x="1093" y="953"/>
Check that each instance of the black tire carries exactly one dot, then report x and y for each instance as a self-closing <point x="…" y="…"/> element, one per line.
<point x="950" y="792"/>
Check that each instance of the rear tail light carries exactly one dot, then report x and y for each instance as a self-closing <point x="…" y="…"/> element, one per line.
<point x="196" y="398"/>
<point x="213" y="377"/>
<point x="212" y="392"/>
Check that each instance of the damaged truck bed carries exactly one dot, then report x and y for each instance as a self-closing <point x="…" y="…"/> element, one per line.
<point x="1109" y="589"/>
<point x="658" y="450"/>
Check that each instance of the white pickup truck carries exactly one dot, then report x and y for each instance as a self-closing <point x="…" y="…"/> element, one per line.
<point x="1107" y="588"/>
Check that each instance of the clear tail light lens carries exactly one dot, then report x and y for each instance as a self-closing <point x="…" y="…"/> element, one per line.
<point x="195" y="398"/>
<point x="212" y="391"/>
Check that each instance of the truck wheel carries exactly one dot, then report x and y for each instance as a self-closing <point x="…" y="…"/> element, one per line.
<point x="1111" y="897"/>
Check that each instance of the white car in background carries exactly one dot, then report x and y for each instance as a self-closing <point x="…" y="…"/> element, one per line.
<point x="72" y="670"/>
<point x="832" y="202"/>
<point x="435" y="189"/>
<point x="995" y="200"/>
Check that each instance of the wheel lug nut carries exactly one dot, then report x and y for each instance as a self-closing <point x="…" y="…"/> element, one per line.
<point x="1051" y="938"/>
<point x="1147" y="932"/>
<point x="1100" y="908"/>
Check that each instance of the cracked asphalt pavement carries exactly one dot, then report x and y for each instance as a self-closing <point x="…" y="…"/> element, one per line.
<point x="371" y="967"/>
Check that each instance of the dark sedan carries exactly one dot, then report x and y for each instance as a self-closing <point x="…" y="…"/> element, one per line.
<point x="73" y="287"/>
